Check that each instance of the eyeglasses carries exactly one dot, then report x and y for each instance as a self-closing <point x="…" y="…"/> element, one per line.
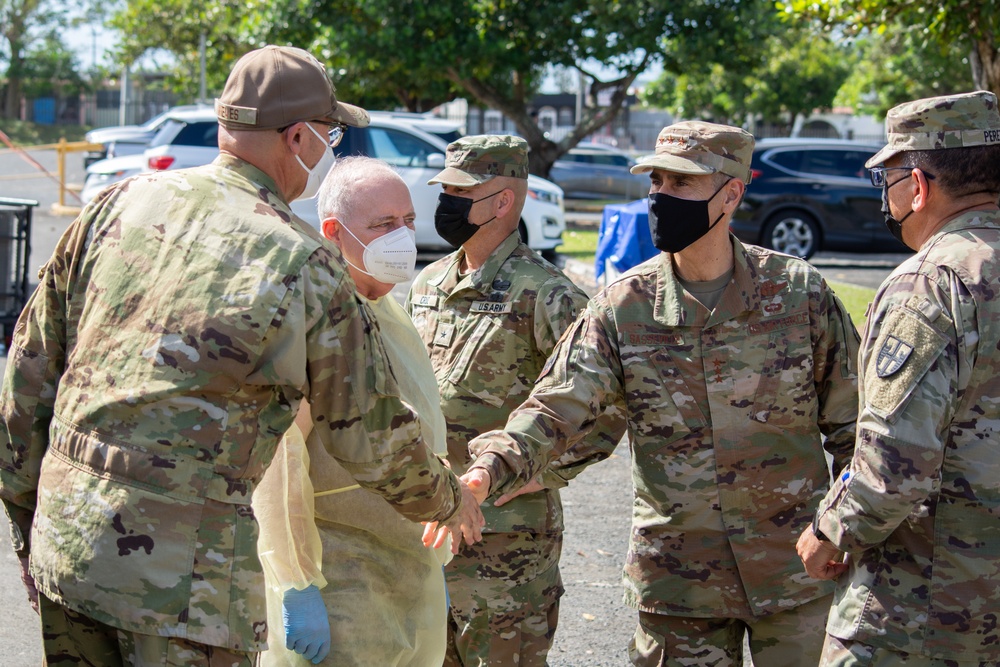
<point x="877" y="174"/>
<point x="334" y="135"/>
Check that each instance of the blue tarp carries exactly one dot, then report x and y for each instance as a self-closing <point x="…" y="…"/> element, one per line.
<point x="624" y="239"/>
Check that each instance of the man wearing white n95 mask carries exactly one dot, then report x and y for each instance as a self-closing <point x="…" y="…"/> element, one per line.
<point x="383" y="593"/>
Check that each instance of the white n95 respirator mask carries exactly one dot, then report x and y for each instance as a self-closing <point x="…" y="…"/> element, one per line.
<point x="391" y="258"/>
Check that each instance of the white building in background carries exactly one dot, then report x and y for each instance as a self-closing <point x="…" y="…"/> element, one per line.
<point x="839" y="123"/>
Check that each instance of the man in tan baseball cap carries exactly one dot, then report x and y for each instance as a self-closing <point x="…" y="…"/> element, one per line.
<point x="276" y="86"/>
<point x="284" y="89"/>
<point x="917" y="511"/>
<point x="733" y="364"/>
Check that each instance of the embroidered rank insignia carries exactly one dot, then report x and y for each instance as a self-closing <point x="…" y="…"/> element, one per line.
<point x="445" y="332"/>
<point x="892" y="356"/>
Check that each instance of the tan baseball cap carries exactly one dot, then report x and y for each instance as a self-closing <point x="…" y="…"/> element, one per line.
<point x="276" y="86"/>
<point x="933" y="123"/>
<point x="470" y="161"/>
<point x="696" y="147"/>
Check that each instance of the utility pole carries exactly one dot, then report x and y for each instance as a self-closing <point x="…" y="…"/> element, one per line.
<point x="123" y="97"/>
<point x="202" y="95"/>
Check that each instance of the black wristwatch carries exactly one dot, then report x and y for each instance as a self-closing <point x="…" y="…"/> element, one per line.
<point x="820" y="535"/>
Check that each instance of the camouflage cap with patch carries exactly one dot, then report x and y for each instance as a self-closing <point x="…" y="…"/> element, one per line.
<point x="697" y="147"/>
<point x="933" y="123"/>
<point x="476" y="159"/>
<point x="276" y="86"/>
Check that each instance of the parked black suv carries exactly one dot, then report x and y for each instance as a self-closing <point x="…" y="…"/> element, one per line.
<point x="809" y="195"/>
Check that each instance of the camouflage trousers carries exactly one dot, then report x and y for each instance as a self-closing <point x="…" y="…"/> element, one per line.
<point x="792" y="638"/>
<point x="71" y="638"/>
<point x="847" y="653"/>
<point x="504" y="595"/>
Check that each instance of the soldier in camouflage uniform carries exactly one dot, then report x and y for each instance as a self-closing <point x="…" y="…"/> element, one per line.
<point x="179" y="322"/>
<point x="918" y="510"/>
<point x="734" y="367"/>
<point x="490" y="314"/>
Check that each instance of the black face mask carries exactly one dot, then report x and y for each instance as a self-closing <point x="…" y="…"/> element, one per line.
<point x="451" y="218"/>
<point x="894" y="226"/>
<point x="676" y="223"/>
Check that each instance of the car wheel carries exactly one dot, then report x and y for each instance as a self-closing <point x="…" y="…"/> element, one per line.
<point x="793" y="233"/>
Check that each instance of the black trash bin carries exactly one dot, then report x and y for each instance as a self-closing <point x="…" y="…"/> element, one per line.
<point x="15" y="247"/>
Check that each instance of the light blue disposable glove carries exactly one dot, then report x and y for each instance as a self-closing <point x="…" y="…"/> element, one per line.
<point x="307" y="627"/>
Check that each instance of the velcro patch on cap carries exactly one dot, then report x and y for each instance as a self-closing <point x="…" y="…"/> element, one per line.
<point x="906" y="347"/>
<point x="234" y="114"/>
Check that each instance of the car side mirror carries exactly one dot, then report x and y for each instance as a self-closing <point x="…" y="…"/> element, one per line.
<point x="435" y="161"/>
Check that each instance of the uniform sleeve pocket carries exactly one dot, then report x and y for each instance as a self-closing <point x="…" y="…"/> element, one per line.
<point x="906" y="348"/>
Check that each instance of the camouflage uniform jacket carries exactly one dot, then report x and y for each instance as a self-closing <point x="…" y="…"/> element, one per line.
<point x="175" y="329"/>
<point x="920" y="510"/>
<point x="488" y="335"/>
<point x="726" y="413"/>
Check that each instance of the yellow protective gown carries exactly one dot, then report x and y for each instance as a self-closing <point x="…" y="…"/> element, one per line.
<point x="384" y="591"/>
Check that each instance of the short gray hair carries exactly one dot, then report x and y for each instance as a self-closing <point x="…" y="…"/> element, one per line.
<point x="338" y="195"/>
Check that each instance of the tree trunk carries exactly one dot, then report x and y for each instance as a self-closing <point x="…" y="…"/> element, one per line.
<point x="986" y="66"/>
<point x="12" y="98"/>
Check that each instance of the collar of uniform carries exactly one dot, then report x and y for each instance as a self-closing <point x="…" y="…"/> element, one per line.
<point x="674" y="307"/>
<point x="249" y="172"/>
<point x="968" y="219"/>
<point x="481" y="279"/>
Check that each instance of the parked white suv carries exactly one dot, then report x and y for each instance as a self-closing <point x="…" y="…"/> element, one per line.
<point x="190" y="138"/>
<point x="119" y="140"/>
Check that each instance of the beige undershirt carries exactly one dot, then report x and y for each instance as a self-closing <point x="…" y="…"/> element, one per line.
<point x="707" y="292"/>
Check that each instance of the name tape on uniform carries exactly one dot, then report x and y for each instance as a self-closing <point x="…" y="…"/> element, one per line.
<point x="493" y="307"/>
<point x="429" y="300"/>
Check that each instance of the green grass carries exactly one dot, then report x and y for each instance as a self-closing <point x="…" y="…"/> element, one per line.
<point x="23" y="133"/>
<point x="580" y="244"/>
<point x="855" y="299"/>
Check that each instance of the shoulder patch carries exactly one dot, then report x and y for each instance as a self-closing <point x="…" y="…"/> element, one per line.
<point x="907" y="346"/>
<point x="891" y="357"/>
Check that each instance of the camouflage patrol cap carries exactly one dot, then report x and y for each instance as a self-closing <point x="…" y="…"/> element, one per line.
<point x="933" y="123"/>
<point x="276" y="86"/>
<point x="696" y="147"/>
<point x="476" y="159"/>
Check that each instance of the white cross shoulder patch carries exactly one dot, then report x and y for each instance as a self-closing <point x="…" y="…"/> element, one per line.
<point x="892" y="356"/>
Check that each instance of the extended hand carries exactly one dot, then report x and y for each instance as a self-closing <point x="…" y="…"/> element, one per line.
<point x="819" y="558"/>
<point x="468" y="522"/>
<point x="531" y="487"/>
<point x="307" y="627"/>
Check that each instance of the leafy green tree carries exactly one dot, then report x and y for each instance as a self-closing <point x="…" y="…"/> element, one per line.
<point x="796" y="71"/>
<point x="21" y="23"/>
<point x="51" y="69"/>
<point x="972" y="25"/>
<point x="897" y="66"/>
<point x="176" y="26"/>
